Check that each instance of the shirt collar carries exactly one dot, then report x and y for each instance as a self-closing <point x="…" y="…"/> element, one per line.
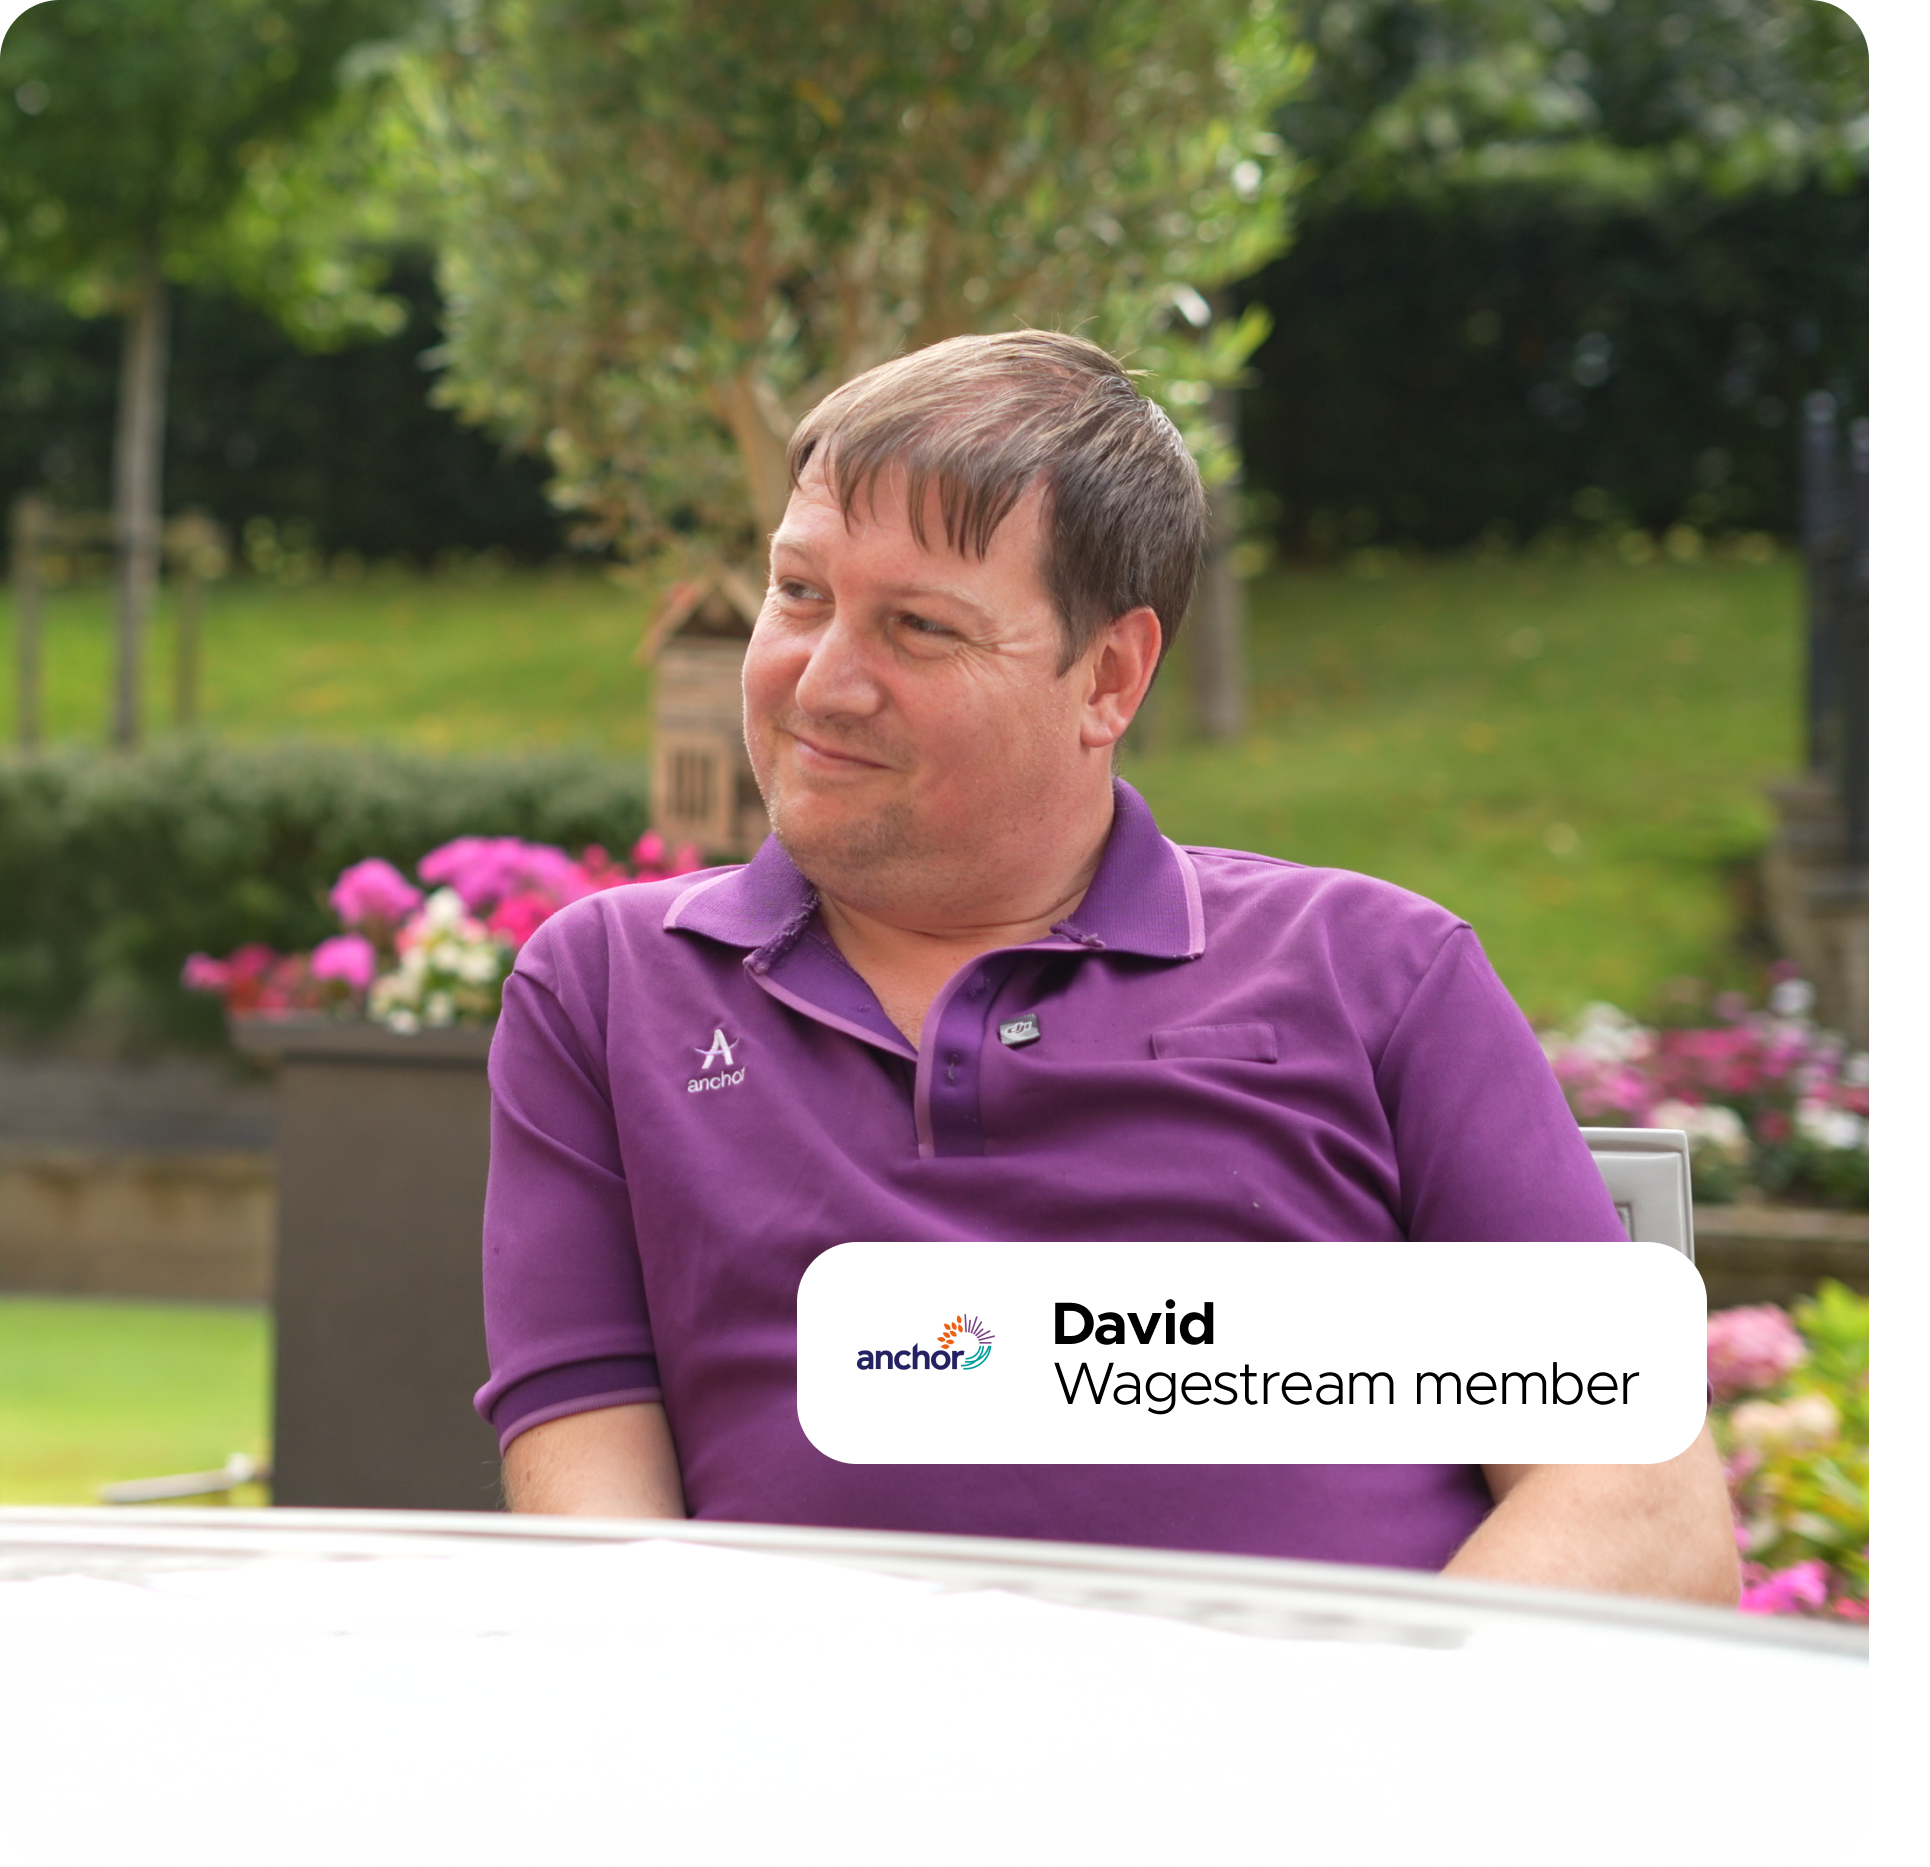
<point x="1144" y="899"/>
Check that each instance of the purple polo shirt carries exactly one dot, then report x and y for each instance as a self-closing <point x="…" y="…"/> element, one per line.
<point x="694" y="1095"/>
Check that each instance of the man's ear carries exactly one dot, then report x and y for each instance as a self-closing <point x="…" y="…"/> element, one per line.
<point x="1118" y="668"/>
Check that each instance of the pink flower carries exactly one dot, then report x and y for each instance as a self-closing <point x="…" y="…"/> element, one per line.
<point x="202" y="974"/>
<point x="373" y="890"/>
<point x="1751" y="1349"/>
<point x="516" y="918"/>
<point x="241" y="978"/>
<point x="247" y="963"/>
<point x="1787" y="1591"/>
<point x="484" y="870"/>
<point x="347" y="957"/>
<point x="652" y="860"/>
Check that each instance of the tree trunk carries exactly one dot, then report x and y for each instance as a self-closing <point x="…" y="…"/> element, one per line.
<point x="138" y="435"/>
<point x="762" y="431"/>
<point x="30" y="525"/>
<point x="1219" y="628"/>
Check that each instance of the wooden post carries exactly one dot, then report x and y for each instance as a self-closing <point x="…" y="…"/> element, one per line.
<point x="1219" y="611"/>
<point x="30" y="528"/>
<point x="197" y="553"/>
<point x="1821" y="536"/>
<point x="1853" y="648"/>
<point x="140" y="426"/>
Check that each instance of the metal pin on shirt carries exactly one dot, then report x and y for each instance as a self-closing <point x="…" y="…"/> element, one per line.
<point x="1018" y="1032"/>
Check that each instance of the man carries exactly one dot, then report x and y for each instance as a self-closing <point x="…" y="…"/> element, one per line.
<point x="969" y="991"/>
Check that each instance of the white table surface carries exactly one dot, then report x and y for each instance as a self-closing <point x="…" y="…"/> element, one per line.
<point x="297" y="1686"/>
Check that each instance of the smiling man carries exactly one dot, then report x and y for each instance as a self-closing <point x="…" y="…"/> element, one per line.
<point x="967" y="990"/>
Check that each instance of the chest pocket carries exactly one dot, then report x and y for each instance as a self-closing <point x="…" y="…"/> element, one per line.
<point x="1240" y="1043"/>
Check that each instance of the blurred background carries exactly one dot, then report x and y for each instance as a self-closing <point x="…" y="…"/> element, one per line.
<point x="391" y="390"/>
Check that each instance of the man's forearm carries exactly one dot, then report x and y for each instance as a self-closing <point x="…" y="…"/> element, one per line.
<point x="611" y="1462"/>
<point x="1661" y="1530"/>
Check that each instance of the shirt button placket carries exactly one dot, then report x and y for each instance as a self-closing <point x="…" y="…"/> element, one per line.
<point x="956" y="1128"/>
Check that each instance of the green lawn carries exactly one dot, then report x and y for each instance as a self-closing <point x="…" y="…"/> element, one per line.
<point x="1568" y="753"/>
<point x="93" y="1391"/>
<point x="464" y="665"/>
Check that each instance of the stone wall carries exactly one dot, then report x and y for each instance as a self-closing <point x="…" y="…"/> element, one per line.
<point x="136" y="1180"/>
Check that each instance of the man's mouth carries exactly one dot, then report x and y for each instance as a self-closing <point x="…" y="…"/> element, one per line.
<point x="818" y="754"/>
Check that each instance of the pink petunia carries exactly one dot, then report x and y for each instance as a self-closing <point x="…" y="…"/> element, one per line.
<point x="347" y="957"/>
<point x="1751" y="1349"/>
<point x="373" y="891"/>
<point x="253" y="961"/>
<point x="203" y="974"/>
<point x="485" y="870"/>
<point x="653" y="860"/>
<point x="1787" y="1591"/>
<point x="519" y="916"/>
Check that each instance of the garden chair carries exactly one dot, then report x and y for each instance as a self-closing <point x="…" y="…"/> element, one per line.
<point x="1646" y="1171"/>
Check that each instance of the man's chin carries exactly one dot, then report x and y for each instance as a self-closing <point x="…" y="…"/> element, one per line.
<point x="840" y="848"/>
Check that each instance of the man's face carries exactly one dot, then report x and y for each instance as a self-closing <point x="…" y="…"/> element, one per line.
<point x="903" y="705"/>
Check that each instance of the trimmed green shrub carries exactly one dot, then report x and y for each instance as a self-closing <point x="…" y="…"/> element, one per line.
<point x="113" y="868"/>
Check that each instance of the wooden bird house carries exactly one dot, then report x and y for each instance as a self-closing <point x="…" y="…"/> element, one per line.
<point x="702" y="790"/>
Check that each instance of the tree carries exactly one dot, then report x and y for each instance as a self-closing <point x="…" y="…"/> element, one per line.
<point x="1618" y="101"/>
<point x="666" y="227"/>
<point x="135" y="135"/>
<point x="1618" y="243"/>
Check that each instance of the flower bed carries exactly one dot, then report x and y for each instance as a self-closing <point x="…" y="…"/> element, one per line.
<point x="1792" y="1420"/>
<point x="1770" y="1101"/>
<point x="413" y="960"/>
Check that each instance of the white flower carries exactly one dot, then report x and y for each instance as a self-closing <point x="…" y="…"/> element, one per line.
<point x="1804" y="1424"/>
<point x="478" y="966"/>
<point x="405" y="1022"/>
<point x="1604" y="1034"/>
<point x="1793" y="998"/>
<point x="1710" y="1126"/>
<point x="1825" y="1126"/>
<point x="444" y="911"/>
<point x="439" y="1009"/>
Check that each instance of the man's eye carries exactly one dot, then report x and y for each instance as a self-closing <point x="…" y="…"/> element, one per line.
<point x="921" y="625"/>
<point x="799" y="592"/>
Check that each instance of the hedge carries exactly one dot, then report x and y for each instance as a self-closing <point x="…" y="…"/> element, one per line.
<point x="1506" y="362"/>
<point x="113" y="868"/>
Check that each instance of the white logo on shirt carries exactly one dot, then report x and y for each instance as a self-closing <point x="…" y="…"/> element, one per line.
<point x="719" y="1050"/>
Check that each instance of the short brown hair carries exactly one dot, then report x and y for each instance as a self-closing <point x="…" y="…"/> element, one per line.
<point x="982" y="420"/>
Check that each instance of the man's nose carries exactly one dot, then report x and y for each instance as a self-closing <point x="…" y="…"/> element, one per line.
<point x="838" y="680"/>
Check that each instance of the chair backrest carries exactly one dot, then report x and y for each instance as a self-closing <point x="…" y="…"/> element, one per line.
<point x="1646" y="1171"/>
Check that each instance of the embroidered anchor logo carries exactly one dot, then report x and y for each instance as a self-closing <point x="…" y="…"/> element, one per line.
<point x="720" y="1050"/>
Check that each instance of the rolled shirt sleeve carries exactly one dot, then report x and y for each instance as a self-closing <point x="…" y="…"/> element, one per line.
<point x="567" y="1321"/>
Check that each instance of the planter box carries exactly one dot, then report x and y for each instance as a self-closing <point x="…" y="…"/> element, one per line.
<point x="383" y="1155"/>
<point x="1774" y="1254"/>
